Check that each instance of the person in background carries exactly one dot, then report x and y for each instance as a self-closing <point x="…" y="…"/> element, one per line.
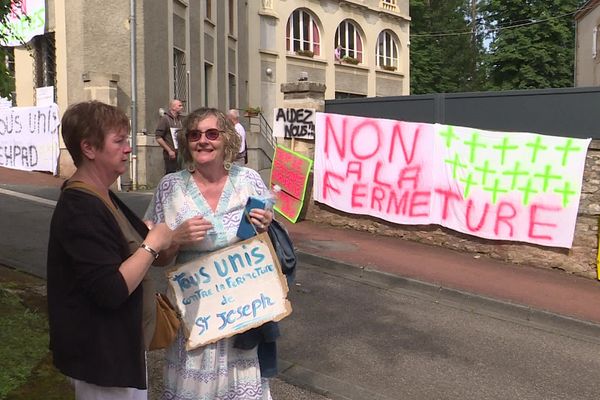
<point x="98" y="253"/>
<point x="338" y="54"/>
<point x="166" y="134"/>
<point x="210" y="186"/>
<point x="242" y="156"/>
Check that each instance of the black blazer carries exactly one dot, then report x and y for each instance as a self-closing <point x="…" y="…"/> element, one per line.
<point x="95" y="325"/>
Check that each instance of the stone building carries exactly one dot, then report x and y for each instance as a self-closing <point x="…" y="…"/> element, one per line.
<point x="587" y="44"/>
<point x="221" y="53"/>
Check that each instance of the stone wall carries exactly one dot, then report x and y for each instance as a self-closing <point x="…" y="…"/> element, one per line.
<point x="579" y="260"/>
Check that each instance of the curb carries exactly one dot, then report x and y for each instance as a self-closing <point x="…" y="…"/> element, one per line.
<point x="470" y="302"/>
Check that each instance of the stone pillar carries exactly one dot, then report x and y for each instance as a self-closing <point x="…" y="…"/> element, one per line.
<point x="304" y="94"/>
<point x="100" y="86"/>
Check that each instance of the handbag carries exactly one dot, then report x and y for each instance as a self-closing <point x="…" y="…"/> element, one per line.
<point x="167" y="323"/>
<point x="284" y="248"/>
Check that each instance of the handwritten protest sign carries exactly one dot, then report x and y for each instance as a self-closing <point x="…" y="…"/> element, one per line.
<point x="29" y="138"/>
<point x="26" y="20"/>
<point x="290" y="172"/>
<point x="230" y="291"/>
<point x="495" y="185"/>
<point x="294" y="123"/>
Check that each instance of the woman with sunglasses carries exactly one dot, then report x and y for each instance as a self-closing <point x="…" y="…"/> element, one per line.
<point x="212" y="187"/>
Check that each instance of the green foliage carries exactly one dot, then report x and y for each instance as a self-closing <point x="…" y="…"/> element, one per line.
<point x="350" y="60"/>
<point x="7" y="80"/>
<point x="529" y="44"/>
<point x="23" y="341"/>
<point x="532" y="43"/>
<point x="442" y="63"/>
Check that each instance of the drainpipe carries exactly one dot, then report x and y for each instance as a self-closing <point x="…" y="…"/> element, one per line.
<point x="133" y="164"/>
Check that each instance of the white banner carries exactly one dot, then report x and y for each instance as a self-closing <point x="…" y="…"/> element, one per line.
<point x="294" y="123"/>
<point x="230" y="291"/>
<point x="26" y="20"/>
<point x="496" y="185"/>
<point x="29" y="138"/>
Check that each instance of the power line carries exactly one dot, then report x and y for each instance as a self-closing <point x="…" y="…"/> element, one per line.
<point x="517" y="25"/>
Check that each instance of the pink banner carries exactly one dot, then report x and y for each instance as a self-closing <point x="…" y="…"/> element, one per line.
<point x="496" y="185"/>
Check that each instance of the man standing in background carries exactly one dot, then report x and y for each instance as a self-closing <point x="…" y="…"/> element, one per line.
<point x="166" y="134"/>
<point x="234" y="116"/>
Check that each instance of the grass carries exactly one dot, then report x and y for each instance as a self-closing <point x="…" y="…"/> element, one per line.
<point x="27" y="371"/>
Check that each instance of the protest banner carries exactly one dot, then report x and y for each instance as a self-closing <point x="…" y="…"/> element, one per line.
<point x="29" y="138"/>
<point x="294" y="123"/>
<point x="229" y="291"/>
<point x="26" y="20"/>
<point x="496" y="185"/>
<point x="290" y="172"/>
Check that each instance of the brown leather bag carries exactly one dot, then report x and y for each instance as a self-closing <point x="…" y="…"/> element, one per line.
<point x="167" y="323"/>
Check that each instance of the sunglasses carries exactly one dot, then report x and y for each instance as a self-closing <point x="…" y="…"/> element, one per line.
<point x="195" y="134"/>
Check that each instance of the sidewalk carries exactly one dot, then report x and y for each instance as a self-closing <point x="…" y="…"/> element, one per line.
<point x="550" y="291"/>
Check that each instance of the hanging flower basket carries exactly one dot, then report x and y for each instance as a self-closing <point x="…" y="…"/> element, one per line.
<point x="252" y="111"/>
<point x="305" y="53"/>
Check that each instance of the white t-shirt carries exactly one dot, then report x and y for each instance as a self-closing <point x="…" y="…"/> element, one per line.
<point x="242" y="132"/>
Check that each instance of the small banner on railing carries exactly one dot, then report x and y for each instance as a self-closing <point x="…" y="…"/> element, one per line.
<point x="290" y="172"/>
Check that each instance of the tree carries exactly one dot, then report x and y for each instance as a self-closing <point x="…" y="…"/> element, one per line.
<point x="444" y="46"/>
<point x="7" y="80"/>
<point x="531" y="43"/>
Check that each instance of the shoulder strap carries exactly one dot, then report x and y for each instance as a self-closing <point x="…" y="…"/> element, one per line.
<point x="89" y="189"/>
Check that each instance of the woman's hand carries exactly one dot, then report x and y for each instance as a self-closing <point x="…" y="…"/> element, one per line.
<point x="191" y="231"/>
<point x="261" y="219"/>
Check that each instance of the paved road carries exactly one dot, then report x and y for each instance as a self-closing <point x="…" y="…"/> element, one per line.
<point x="365" y="335"/>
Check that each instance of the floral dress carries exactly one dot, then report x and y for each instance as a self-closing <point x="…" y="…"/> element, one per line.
<point x="217" y="370"/>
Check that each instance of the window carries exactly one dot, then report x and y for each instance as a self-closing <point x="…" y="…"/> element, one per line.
<point x="231" y="17"/>
<point x="302" y="33"/>
<point x="208" y="9"/>
<point x="348" y="38"/>
<point x="44" y="56"/>
<point x="387" y="51"/>
<point x="179" y="77"/>
<point x="232" y="92"/>
<point x="389" y="5"/>
<point x="208" y="83"/>
<point x="595" y="42"/>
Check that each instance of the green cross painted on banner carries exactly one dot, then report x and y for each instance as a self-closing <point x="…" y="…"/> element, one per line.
<point x="468" y="183"/>
<point x="495" y="190"/>
<point x="547" y="176"/>
<point x="566" y="149"/>
<point x="536" y="146"/>
<point x="527" y="190"/>
<point x="449" y="135"/>
<point x="485" y="170"/>
<point x="565" y="191"/>
<point x="474" y="144"/>
<point x="455" y="164"/>
<point x="515" y="173"/>
<point x="504" y="147"/>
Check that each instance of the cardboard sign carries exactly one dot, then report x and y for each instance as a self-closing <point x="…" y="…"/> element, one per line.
<point x="290" y="172"/>
<point x="294" y="123"/>
<point x="230" y="291"/>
